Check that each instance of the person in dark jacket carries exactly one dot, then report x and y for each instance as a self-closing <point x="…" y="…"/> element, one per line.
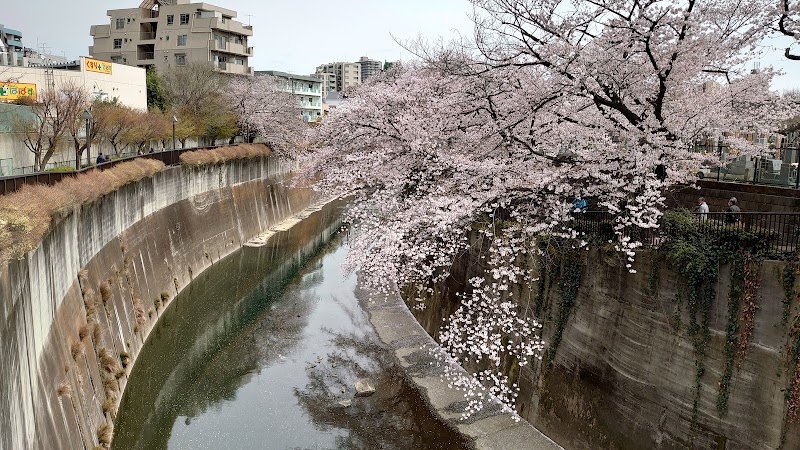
<point x="733" y="214"/>
<point x="101" y="158"/>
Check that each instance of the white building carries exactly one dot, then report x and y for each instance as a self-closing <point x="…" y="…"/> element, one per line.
<point x="307" y="91"/>
<point x="102" y="80"/>
<point x="169" y="33"/>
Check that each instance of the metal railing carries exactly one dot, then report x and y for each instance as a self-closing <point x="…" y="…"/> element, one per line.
<point x="146" y="56"/>
<point x="147" y="35"/>
<point x="776" y="234"/>
<point x="168" y="157"/>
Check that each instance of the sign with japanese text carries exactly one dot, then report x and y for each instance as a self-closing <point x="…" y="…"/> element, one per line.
<point x="14" y="91"/>
<point x="94" y="65"/>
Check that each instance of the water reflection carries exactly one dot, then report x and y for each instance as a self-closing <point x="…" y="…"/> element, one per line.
<point x="259" y="352"/>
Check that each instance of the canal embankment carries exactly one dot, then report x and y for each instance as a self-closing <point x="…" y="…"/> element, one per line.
<point x="77" y="309"/>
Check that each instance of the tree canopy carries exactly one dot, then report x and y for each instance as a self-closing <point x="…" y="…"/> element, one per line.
<point x="551" y="101"/>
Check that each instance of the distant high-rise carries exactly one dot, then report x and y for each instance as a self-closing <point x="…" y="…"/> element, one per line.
<point x="168" y="33"/>
<point x="337" y="76"/>
<point x="369" y="67"/>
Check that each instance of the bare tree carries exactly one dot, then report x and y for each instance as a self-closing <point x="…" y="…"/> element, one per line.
<point x="79" y="97"/>
<point x="52" y="114"/>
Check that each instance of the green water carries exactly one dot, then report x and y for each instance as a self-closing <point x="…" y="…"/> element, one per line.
<point x="258" y="352"/>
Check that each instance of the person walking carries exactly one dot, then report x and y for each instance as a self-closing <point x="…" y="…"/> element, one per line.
<point x="733" y="214"/>
<point x="702" y="208"/>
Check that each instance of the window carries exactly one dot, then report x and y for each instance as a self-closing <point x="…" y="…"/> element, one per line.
<point x="117" y="43"/>
<point x="120" y="24"/>
<point x="180" y="59"/>
<point x="181" y="39"/>
<point x="184" y="19"/>
<point x="170" y="19"/>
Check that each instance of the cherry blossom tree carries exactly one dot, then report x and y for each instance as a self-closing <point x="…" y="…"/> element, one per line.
<point x="266" y="110"/>
<point x="552" y="101"/>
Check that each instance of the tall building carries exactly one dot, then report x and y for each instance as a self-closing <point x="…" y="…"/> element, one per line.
<point x="369" y="67"/>
<point x="344" y="75"/>
<point x="307" y="91"/>
<point x="11" y="49"/>
<point x="169" y="33"/>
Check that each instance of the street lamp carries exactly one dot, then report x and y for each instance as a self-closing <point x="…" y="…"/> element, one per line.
<point x="174" y="121"/>
<point x="87" y="116"/>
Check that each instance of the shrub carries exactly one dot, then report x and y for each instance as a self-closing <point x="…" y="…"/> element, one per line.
<point x="223" y="154"/>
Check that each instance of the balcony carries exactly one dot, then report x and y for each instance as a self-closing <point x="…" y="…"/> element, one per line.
<point x="148" y="14"/>
<point x="227" y="25"/>
<point x="146" y="56"/>
<point x="147" y="36"/>
<point x="100" y="30"/>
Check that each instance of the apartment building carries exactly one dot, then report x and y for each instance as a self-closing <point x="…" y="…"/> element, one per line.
<point x="11" y="49"/>
<point x="344" y="75"/>
<point x="369" y="67"/>
<point x="169" y="33"/>
<point x="307" y="92"/>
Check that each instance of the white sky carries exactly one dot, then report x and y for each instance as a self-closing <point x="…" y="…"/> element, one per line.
<point x="294" y="36"/>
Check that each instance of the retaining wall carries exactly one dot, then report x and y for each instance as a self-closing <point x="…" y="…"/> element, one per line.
<point x="624" y="374"/>
<point x="58" y="386"/>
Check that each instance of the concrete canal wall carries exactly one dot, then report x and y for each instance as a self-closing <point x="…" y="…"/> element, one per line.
<point x="76" y="310"/>
<point x="625" y="371"/>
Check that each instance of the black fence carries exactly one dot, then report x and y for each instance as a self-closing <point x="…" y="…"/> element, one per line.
<point x="168" y="157"/>
<point x="775" y="234"/>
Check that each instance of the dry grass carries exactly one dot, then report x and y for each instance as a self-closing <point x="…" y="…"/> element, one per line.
<point x="223" y="154"/>
<point x="107" y="360"/>
<point x="97" y="333"/>
<point x="26" y="215"/>
<point x="141" y="314"/>
<point x="83" y="331"/>
<point x="105" y="292"/>
<point x="90" y="302"/>
<point x="76" y="348"/>
<point x="64" y="390"/>
<point x="105" y="433"/>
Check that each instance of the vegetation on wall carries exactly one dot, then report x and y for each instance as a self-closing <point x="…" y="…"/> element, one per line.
<point x="696" y="251"/>
<point x="565" y="264"/>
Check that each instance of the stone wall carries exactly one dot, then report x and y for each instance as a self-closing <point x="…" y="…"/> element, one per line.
<point x="750" y="197"/>
<point x="624" y="374"/>
<point x="69" y="309"/>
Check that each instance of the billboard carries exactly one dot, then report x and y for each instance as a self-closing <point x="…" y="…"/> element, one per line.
<point x="14" y="91"/>
<point x="94" y="65"/>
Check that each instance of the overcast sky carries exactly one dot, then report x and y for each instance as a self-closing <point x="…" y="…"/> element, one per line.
<point x="292" y="36"/>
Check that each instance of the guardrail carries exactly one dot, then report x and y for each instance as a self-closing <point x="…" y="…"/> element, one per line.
<point x="778" y="234"/>
<point x="168" y="157"/>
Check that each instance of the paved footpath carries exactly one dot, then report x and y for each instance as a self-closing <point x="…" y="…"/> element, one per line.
<point x="399" y="330"/>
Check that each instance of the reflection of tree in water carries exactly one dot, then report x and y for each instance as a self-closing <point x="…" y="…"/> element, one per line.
<point x="395" y="417"/>
<point x="210" y="341"/>
<point x="233" y="365"/>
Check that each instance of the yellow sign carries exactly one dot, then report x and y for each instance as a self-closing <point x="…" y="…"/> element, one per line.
<point x="93" y="65"/>
<point x="15" y="91"/>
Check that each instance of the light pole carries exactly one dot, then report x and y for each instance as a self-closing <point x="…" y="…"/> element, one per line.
<point x="174" y="121"/>
<point x="87" y="116"/>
